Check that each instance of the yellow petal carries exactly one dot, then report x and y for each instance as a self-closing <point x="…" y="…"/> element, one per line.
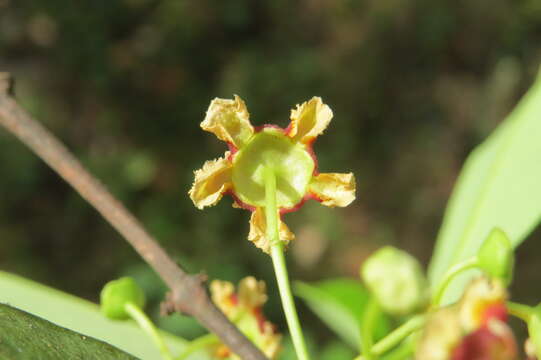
<point x="309" y="120"/>
<point x="258" y="228"/>
<point x="334" y="189"/>
<point x="229" y="121"/>
<point x="252" y="293"/>
<point x="211" y="182"/>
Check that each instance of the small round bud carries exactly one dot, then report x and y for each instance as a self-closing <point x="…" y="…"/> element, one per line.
<point x="495" y="257"/>
<point x="116" y="294"/>
<point x="396" y="280"/>
<point x="534" y="329"/>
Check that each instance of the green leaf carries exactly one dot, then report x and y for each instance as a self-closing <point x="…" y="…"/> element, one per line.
<point x="82" y="316"/>
<point x="25" y="337"/>
<point x="339" y="303"/>
<point x="499" y="186"/>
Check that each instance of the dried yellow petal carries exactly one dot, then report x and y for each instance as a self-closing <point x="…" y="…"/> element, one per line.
<point x="258" y="228"/>
<point x="229" y="121"/>
<point x="334" y="189"/>
<point x="309" y="120"/>
<point x="211" y="182"/>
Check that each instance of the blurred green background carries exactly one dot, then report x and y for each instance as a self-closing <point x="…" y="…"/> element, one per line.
<point x="414" y="86"/>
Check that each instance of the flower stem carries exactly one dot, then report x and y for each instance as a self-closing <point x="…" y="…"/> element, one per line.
<point x="367" y="328"/>
<point x="450" y="275"/>
<point x="403" y="352"/>
<point x="197" y="344"/>
<point x="399" y="334"/>
<point x="521" y="311"/>
<point x="146" y="324"/>
<point x="279" y="263"/>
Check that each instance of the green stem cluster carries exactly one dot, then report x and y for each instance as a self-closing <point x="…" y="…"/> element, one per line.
<point x="373" y="351"/>
<point x="383" y="347"/>
<point x="279" y="263"/>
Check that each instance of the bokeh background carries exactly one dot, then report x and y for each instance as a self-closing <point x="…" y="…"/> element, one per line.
<point x="414" y="86"/>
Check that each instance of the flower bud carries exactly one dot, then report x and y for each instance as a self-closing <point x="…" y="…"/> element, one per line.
<point x="534" y="328"/>
<point x="396" y="280"/>
<point x="116" y="294"/>
<point x="496" y="256"/>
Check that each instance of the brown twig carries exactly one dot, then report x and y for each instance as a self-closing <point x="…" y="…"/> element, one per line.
<point x="188" y="294"/>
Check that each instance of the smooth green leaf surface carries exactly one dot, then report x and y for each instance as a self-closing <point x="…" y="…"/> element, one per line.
<point x="82" y="316"/>
<point x="339" y="303"/>
<point x="27" y="337"/>
<point x="499" y="186"/>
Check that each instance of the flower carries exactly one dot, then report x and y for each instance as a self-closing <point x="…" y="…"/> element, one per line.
<point x="244" y="308"/>
<point x="287" y="151"/>
<point x="473" y="329"/>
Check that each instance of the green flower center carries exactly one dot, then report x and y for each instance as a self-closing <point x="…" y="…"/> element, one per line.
<point x="292" y="164"/>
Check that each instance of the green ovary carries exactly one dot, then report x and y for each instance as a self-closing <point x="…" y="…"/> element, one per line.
<point x="292" y="165"/>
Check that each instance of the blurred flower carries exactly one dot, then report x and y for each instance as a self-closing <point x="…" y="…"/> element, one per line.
<point x="244" y="308"/>
<point x="396" y="280"/>
<point x="287" y="151"/>
<point x="473" y="329"/>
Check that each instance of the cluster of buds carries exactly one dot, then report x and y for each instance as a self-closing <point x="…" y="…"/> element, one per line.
<point x="473" y="328"/>
<point x="244" y="308"/>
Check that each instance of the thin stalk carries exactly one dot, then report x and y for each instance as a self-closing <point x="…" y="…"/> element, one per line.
<point x="403" y="352"/>
<point x="450" y="275"/>
<point x="148" y="326"/>
<point x="399" y="334"/>
<point x="521" y="311"/>
<point x="198" y="344"/>
<point x="279" y="263"/>
<point x="367" y="328"/>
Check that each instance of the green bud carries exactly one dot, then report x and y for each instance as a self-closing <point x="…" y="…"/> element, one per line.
<point x="396" y="280"/>
<point x="534" y="329"/>
<point x="116" y="294"/>
<point x="495" y="256"/>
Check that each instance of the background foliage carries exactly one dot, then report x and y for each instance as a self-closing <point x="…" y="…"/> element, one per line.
<point x="414" y="86"/>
